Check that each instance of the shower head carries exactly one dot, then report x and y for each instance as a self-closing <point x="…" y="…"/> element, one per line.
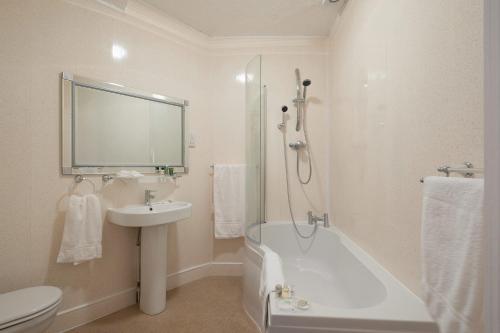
<point x="306" y="83"/>
<point x="282" y="125"/>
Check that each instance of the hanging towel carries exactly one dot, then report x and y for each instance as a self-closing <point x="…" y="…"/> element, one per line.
<point x="229" y="200"/>
<point x="271" y="274"/>
<point x="82" y="230"/>
<point x="452" y="252"/>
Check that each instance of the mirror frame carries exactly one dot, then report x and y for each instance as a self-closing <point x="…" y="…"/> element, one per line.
<point x="68" y="82"/>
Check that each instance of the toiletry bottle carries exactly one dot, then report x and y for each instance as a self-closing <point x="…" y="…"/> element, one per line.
<point x="285" y="292"/>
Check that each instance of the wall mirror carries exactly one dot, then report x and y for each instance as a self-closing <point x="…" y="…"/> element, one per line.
<point x="108" y="127"/>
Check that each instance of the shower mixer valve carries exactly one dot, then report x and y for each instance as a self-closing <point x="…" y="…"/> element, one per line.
<point x="300" y="104"/>
<point x="297" y="145"/>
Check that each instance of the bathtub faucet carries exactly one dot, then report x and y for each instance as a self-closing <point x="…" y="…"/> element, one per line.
<point x="312" y="219"/>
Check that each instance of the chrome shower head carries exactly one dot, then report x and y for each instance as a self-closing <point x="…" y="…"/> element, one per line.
<point x="299" y="100"/>
<point x="282" y="125"/>
<point x="306" y="83"/>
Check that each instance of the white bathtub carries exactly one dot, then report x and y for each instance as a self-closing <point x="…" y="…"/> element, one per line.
<point x="348" y="290"/>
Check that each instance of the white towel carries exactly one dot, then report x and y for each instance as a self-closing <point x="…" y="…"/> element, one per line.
<point x="229" y="200"/>
<point x="82" y="230"/>
<point x="453" y="255"/>
<point x="271" y="274"/>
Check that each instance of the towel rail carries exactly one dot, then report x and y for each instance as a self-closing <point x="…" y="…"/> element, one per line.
<point x="468" y="170"/>
<point x="80" y="178"/>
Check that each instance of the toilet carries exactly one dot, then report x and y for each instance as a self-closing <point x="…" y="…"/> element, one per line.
<point x="29" y="310"/>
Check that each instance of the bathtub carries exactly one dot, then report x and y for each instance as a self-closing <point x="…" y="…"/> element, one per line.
<point x="347" y="289"/>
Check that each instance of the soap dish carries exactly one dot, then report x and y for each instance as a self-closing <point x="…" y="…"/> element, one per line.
<point x="302" y="304"/>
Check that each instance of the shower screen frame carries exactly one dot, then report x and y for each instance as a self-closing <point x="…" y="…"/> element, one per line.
<point x="255" y="146"/>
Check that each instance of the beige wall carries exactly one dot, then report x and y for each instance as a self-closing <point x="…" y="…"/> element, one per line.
<point x="279" y="78"/>
<point x="278" y="67"/>
<point x="228" y="125"/>
<point x="406" y="96"/>
<point x="228" y="98"/>
<point x="39" y="40"/>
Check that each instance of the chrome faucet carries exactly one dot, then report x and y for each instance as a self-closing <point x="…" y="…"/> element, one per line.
<point x="148" y="195"/>
<point x="312" y="219"/>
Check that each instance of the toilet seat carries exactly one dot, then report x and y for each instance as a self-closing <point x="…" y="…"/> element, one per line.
<point x="23" y="305"/>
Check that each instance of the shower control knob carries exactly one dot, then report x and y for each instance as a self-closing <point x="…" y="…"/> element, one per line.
<point x="297" y="145"/>
<point x="284" y="108"/>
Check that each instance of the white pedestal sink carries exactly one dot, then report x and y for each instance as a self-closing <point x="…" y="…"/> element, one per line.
<point x="153" y="222"/>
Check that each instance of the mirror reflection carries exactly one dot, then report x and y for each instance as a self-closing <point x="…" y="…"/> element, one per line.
<point x="115" y="129"/>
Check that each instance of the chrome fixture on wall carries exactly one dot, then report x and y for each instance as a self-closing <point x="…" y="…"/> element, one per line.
<point x="282" y="125"/>
<point x="300" y="104"/>
<point x="79" y="179"/>
<point x="282" y="128"/>
<point x="297" y="145"/>
<point x="300" y="100"/>
<point x="467" y="170"/>
<point x="312" y="219"/>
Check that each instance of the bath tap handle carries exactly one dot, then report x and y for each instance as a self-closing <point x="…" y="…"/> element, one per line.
<point x="148" y="196"/>
<point x="278" y="289"/>
<point x="326" y="221"/>
<point x="310" y="218"/>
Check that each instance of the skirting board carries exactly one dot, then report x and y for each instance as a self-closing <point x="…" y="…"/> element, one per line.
<point x="88" y="312"/>
<point x="194" y="273"/>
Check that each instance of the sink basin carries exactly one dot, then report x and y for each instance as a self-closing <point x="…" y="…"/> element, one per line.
<point x="146" y="216"/>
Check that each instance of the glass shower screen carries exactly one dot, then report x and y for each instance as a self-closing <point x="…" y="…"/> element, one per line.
<point x="255" y="149"/>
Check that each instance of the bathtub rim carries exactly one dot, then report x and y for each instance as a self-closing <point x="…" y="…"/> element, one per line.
<point x="383" y="317"/>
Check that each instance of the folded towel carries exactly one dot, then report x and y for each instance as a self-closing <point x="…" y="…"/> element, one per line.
<point x="129" y="174"/>
<point x="229" y="200"/>
<point x="82" y="230"/>
<point x="452" y="252"/>
<point x="271" y="273"/>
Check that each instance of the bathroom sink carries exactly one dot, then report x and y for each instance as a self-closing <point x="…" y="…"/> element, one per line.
<point x="148" y="216"/>
<point x="153" y="220"/>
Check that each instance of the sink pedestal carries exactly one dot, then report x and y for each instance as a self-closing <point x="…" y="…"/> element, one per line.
<point x="153" y="221"/>
<point x="153" y="291"/>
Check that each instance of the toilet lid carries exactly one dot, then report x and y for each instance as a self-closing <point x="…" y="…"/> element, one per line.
<point x="27" y="302"/>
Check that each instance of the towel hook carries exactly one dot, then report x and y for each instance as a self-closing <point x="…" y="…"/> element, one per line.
<point x="80" y="178"/>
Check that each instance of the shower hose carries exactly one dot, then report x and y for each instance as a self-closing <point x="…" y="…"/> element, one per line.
<point x="313" y="232"/>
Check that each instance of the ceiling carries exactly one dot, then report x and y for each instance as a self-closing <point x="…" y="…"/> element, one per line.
<point x="253" y="17"/>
